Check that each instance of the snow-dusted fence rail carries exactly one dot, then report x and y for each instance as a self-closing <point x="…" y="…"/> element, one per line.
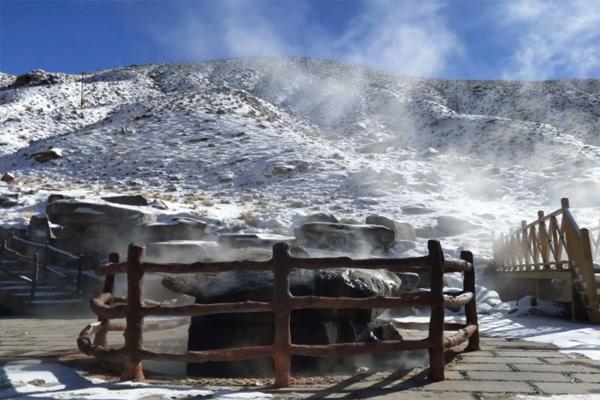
<point x="553" y="247"/>
<point x="40" y="264"/>
<point x="92" y="340"/>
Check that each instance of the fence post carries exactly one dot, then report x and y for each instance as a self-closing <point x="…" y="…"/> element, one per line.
<point x="79" y="273"/>
<point x="109" y="287"/>
<point x="436" y="322"/>
<point x="45" y="262"/>
<point x="470" y="307"/>
<point x="281" y="311"/>
<point x="35" y="275"/>
<point x="132" y="368"/>
<point x="586" y="269"/>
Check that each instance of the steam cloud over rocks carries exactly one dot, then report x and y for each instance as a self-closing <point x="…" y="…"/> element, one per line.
<point x="256" y="144"/>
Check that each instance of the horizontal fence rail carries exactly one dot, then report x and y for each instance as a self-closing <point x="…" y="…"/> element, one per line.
<point x="553" y="246"/>
<point x="92" y="340"/>
<point x="40" y="264"/>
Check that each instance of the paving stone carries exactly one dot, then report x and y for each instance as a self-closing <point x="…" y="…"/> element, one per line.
<point x="453" y="375"/>
<point x="573" y="361"/>
<point x="555" y="368"/>
<point x="517" y="376"/>
<point x="466" y="366"/>
<point x="504" y="360"/>
<point x="496" y="396"/>
<point x="480" y="353"/>
<point x="530" y="353"/>
<point x="408" y="395"/>
<point x="588" y="378"/>
<point x="569" y="388"/>
<point x="508" y="345"/>
<point x="480" y="386"/>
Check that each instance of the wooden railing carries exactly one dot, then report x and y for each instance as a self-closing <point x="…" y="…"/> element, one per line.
<point x="134" y="309"/>
<point x="40" y="264"/>
<point x="553" y="246"/>
<point x="595" y="241"/>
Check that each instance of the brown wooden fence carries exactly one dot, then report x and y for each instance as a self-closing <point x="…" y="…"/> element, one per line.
<point x="40" y="264"/>
<point x="553" y="247"/>
<point x="134" y="309"/>
<point x="595" y="241"/>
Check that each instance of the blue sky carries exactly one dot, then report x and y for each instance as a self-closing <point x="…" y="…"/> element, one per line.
<point x="521" y="39"/>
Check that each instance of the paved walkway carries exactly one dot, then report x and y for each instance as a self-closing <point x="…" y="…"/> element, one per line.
<point x="501" y="370"/>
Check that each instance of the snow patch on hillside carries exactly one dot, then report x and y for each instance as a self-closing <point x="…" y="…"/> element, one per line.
<point x="286" y="137"/>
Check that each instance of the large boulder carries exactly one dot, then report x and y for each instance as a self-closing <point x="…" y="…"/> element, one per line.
<point x="78" y="212"/>
<point x="402" y="230"/>
<point x="176" y="229"/>
<point x="319" y="217"/>
<point x="45" y="156"/>
<point x="190" y="251"/>
<point x="310" y="326"/>
<point x="239" y="240"/>
<point x="448" y="225"/>
<point x="358" y="239"/>
<point x="128" y="200"/>
<point x="37" y="77"/>
<point x="95" y="228"/>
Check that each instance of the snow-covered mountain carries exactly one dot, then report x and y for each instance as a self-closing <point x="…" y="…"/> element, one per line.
<point x="279" y="138"/>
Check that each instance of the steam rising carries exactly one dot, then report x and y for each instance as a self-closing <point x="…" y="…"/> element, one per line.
<point x="408" y="37"/>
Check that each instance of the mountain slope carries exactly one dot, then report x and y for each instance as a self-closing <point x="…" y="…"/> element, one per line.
<point x="284" y="137"/>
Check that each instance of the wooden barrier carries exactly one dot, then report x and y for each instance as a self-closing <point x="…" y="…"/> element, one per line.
<point x="134" y="309"/>
<point x="40" y="263"/>
<point x="553" y="247"/>
<point x="595" y="241"/>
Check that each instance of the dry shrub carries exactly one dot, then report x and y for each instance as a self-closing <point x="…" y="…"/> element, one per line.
<point x="249" y="217"/>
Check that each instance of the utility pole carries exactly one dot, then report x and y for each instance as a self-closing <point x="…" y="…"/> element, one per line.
<point x="81" y="91"/>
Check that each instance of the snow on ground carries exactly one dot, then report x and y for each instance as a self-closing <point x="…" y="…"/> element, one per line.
<point x="559" y="397"/>
<point x="49" y="380"/>
<point x="514" y="323"/>
<point x="568" y="336"/>
<point x="281" y="138"/>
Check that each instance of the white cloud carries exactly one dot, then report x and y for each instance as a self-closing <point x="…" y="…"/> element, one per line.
<point x="405" y="36"/>
<point x="228" y="28"/>
<point x="553" y="37"/>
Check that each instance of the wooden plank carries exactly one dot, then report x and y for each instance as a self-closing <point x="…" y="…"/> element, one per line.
<point x="457" y="266"/>
<point x="282" y="309"/>
<point x="102" y="306"/>
<point x="100" y="338"/>
<point x="207" y="309"/>
<point x="455" y="302"/>
<point x="471" y="307"/>
<point x="84" y="343"/>
<point x="436" y="321"/>
<point x="461" y="336"/>
<point x="406" y="299"/>
<point x="62" y="252"/>
<point x="546" y="217"/>
<point x="132" y="368"/>
<point x="414" y="264"/>
<point x="546" y="274"/>
<point x="424" y="326"/>
<point x="348" y="349"/>
<point x="231" y="354"/>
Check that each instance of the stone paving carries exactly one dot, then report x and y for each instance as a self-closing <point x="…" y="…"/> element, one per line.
<point x="502" y="369"/>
